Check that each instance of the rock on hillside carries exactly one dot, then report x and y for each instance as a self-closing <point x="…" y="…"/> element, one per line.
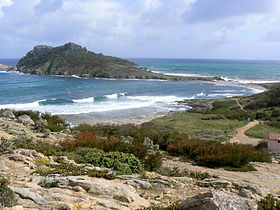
<point x="71" y="59"/>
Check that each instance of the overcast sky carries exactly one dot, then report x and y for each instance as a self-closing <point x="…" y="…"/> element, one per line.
<point x="236" y="29"/>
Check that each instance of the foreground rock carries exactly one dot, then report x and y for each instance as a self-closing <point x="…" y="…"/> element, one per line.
<point x="8" y="115"/>
<point x="26" y="120"/>
<point x="217" y="200"/>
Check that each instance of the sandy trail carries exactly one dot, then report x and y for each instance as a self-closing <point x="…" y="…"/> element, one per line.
<point x="240" y="136"/>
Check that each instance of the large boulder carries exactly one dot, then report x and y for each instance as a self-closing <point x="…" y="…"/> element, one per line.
<point x="26" y="120"/>
<point x="9" y="115"/>
<point x="217" y="200"/>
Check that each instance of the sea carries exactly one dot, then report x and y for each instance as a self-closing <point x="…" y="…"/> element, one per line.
<point x="113" y="99"/>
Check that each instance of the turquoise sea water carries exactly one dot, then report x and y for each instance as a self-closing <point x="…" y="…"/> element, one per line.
<point x="105" y="97"/>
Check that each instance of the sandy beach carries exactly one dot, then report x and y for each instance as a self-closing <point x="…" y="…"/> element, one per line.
<point x="93" y="118"/>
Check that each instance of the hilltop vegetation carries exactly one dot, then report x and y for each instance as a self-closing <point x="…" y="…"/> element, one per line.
<point x="71" y="59"/>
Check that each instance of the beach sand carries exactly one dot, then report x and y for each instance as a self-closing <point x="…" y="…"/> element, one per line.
<point x="93" y="118"/>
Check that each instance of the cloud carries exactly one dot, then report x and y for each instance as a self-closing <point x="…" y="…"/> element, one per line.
<point x="141" y="28"/>
<point x="206" y="11"/>
<point x="4" y="3"/>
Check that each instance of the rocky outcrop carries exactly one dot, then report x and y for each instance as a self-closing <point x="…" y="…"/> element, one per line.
<point x="217" y="200"/>
<point x="6" y="67"/>
<point x="197" y="103"/>
<point x="26" y="120"/>
<point x="8" y="115"/>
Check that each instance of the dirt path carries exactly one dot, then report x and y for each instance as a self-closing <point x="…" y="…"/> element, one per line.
<point x="239" y="104"/>
<point x="240" y="136"/>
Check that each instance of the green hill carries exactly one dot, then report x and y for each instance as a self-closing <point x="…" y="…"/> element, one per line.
<point x="71" y="59"/>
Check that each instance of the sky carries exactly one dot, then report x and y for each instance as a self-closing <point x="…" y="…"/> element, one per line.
<point x="226" y="29"/>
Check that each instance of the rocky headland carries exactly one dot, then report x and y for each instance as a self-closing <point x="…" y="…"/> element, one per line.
<point x="72" y="59"/>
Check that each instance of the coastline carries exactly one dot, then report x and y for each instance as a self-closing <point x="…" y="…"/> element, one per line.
<point x="93" y="118"/>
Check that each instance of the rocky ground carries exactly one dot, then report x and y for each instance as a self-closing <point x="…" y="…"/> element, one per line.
<point x="228" y="190"/>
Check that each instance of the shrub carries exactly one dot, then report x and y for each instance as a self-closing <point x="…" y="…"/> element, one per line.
<point x="7" y="197"/>
<point x="33" y="115"/>
<point x="173" y="206"/>
<point x="213" y="117"/>
<point x="86" y="155"/>
<point x="262" y="116"/>
<point x="107" y="144"/>
<point x="275" y="113"/>
<point x="123" y="163"/>
<point x="215" y="154"/>
<point x="269" y="203"/>
<point x="153" y="161"/>
<point x="176" y="172"/>
<point x="6" y="144"/>
<point x="54" y="122"/>
<point x="67" y="169"/>
<point x="45" y="148"/>
<point x="275" y="124"/>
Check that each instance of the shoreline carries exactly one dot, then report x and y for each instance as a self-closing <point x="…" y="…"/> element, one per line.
<point x="139" y="119"/>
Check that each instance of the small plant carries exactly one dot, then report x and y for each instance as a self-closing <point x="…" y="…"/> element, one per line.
<point x="7" y="197"/>
<point x="41" y="161"/>
<point x="269" y="203"/>
<point x="173" y="206"/>
<point x="121" y="198"/>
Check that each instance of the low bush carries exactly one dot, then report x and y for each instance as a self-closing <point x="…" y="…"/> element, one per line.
<point x="275" y="113"/>
<point x="54" y="122"/>
<point x="215" y="154"/>
<point x="66" y="169"/>
<point x="213" y="117"/>
<point x="275" y="124"/>
<point x="7" y="197"/>
<point x="173" y="206"/>
<point x="269" y="203"/>
<point x="32" y="114"/>
<point x="176" y="172"/>
<point x="123" y="163"/>
<point x="153" y="161"/>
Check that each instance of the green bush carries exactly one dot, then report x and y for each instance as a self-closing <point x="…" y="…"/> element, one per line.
<point x="7" y="197"/>
<point x="176" y="172"/>
<point x="32" y="114"/>
<point x="153" y="161"/>
<point x="213" y="117"/>
<point x="269" y="203"/>
<point x="66" y="169"/>
<point x="275" y="113"/>
<point x="215" y="154"/>
<point x="123" y="163"/>
<point x="275" y="124"/>
<point x="54" y="122"/>
<point x="173" y="206"/>
<point x="86" y="155"/>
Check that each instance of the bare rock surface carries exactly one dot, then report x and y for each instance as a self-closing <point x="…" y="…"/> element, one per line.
<point x="230" y="190"/>
<point x="213" y="200"/>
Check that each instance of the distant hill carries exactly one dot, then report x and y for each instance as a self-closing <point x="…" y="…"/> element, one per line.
<point x="72" y="59"/>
